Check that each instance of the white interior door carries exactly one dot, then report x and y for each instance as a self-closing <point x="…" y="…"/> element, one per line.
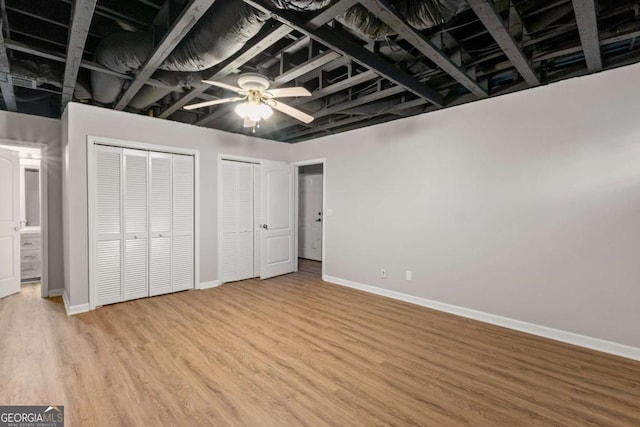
<point x="183" y="211"/>
<point x="310" y="238"/>
<point x="9" y="223"/>
<point x="277" y="212"/>
<point x="160" y="210"/>
<point x="136" y="243"/>
<point x="108" y="225"/>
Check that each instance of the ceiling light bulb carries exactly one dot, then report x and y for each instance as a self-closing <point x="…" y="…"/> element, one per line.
<point x="242" y="110"/>
<point x="265" y="111"/>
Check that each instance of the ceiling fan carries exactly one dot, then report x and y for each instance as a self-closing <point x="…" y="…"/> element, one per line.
<point x="259" y="100"/>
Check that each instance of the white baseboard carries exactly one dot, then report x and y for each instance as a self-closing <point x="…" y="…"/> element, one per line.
<point x="518" y="325"/>
<point x="73" y="309"/>
<point x="55" y="292"/>
<point x="209" y="285"/>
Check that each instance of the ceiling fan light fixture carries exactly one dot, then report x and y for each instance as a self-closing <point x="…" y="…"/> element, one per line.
<point x="254" y="111"/>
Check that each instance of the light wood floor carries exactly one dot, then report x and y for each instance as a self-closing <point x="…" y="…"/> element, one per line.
<point x="296" y="351"/>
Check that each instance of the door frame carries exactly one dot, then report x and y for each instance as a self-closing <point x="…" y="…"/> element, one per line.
<point x="296" y="170"/>
<point x="91" y="181"/>
<point x="44" y="209"/>
<point x="236" y="158"/>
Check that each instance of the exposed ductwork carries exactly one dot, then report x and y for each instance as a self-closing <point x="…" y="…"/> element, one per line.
<point x="220" y="33"/>
<point x="420" y="14"/>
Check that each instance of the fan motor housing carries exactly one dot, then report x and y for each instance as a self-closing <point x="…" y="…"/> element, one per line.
<point x="253" y="81"/>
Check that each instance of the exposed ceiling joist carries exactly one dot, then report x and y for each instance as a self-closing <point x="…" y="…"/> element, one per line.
<point x="81" y="16"/>
<point x="587" y="20"/>
<point x="117" y="16"/>
<point x="487" y="13"/>
<point x="306" y="67"/>
<point x="361" y="100"/>
<point x="387" y="13"/>
<point x="330" y="13"/>
<point x="6" y="87"/>
<point x="266" y="39"/>
<point x="187" y="19"/>
<point x="337" y="87"/>
<point x="359" y="54"/>
<point x="42" y="18"/>
<point x="338" y="123"/>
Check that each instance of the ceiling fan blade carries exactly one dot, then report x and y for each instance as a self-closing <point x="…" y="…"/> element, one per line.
<point x="224" y="86"/>
<point x="293" y="112"/>
<point x="214" y="102"/>
<point x="287" y="92"/>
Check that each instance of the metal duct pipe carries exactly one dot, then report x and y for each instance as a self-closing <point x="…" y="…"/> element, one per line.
<point x="149" y="95"/>
<point x="420" y="14"/>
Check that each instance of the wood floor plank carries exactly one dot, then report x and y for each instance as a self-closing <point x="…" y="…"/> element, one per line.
<point x="294" y="350"/>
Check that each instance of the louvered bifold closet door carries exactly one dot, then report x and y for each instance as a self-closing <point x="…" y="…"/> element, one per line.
<point x="244" y="253"/>
<point x="136" y="243"/>
<point x="228" y="202"/>
<point x="256" y="220"/>
<point x="160" y="207"/>
<point x="108" y="225"/>
<point x="183" y="211"/>
<point x="237" y="221"/>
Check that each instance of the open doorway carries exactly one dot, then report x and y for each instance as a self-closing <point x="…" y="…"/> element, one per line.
<point x="310" y="218"/>
<point x="24" y="249"/>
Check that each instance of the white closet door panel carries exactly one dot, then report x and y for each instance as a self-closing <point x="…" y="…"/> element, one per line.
<point x="135" y="269"/>
<point x="108" y="190"/>
<point x="160" y="266"/>
<point x="160" y="193"/>
<point x="228" y="267"/>
<point x="182" y="263"/>
<point x="256" y="220"/>
<point x="229" y="196"/>
<point x="135" y="192"/>
<point x="244" y="191"/>
<point x="244" y="259"/>
<point x="108" y="272"/>
<point x="183" y="196"/>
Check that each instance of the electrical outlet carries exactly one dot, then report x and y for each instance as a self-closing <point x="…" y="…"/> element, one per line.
<point x="383" y="273"/>
<point x="408" y="275"/>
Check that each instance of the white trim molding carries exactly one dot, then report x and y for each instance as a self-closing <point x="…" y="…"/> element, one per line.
<point x="55" y="292"/>
<point x="73" y="309"/>
<point x="518" y="325"/>
<point x="209" y="285"/>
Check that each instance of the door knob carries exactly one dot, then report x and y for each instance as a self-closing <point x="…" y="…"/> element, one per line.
<point x="265" y="226"/>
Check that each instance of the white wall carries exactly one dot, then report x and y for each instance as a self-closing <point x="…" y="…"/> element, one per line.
<point x="525" y="206"/>
<point x="26" y="128"/>
<point x="83" y="120"/>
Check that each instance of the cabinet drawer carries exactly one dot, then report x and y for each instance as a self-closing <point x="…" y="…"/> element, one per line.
<point x="30" y="241"/>
<point x="30" y="256"/>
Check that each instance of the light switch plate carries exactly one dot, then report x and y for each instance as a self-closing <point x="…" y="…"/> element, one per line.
<point x="329" y="212"/>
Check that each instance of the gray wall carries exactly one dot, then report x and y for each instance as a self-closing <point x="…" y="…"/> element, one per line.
<point x="22" y="127"/>
<point x="525" y="206"/>
<point x="83" y="121"/>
